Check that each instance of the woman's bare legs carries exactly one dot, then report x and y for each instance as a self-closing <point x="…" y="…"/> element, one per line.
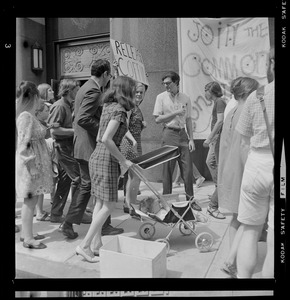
<point x="235" y="233"/>
<point x="101" y="212"/>
<point x="39" y="206"/>
<point x="27" y="219"/>
<point x="96" y="243"/>
<point x="132" y="188"/>
<point x="248" y="250"/>
<point x="233" y="228"/>
<point x="268" y="266"/>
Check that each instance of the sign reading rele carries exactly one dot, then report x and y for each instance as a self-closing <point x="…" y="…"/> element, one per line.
<point x="129" y="61"/>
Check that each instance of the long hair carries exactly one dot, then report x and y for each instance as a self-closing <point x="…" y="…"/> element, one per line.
<point x="122" y="91"/>
<point x="66" y="85"/>
<point x="43" y="88"/>
<point x="214" y="88"/>
<point x="242" y="87"/>
<point x="26" y="96"/>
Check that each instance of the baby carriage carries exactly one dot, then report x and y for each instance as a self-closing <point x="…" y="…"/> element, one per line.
<point x="178" y="214"/>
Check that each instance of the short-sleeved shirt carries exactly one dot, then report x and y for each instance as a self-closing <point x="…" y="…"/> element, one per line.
<point x="104" y="168"/>
<point x="61" y="112"/>
<point x="252" y="122"/>
<point x="166" y="103"/>
<point x="218" y="108"/>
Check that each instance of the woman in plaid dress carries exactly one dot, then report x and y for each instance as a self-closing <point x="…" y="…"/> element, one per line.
<point x="105" y="161"/>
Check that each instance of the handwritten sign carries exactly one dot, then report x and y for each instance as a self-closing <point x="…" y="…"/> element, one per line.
<point x="129" y="61"/>
<point x="219" y="49"/>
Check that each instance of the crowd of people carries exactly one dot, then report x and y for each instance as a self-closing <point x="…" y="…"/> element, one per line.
<point x="84" y="142"/>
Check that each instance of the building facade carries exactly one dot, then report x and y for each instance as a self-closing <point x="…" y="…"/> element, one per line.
<point x="71" y="44"/>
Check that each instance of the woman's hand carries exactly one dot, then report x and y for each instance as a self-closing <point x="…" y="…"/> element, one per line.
<point x="127" y="164"/>
<point x="206" y="143"/>
<point x="134" y="145"/>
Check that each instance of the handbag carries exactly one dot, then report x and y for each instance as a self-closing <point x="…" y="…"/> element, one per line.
<point x="260" y="95"/>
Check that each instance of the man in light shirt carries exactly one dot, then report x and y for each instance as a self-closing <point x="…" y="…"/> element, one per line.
<point x="173" y="109"/>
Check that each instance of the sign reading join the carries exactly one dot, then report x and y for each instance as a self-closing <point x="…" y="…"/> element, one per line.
<point x="129" y="61"/>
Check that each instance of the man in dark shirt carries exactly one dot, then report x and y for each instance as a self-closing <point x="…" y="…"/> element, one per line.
<point x="214" y="93"/>
<point x="61" y="113"/>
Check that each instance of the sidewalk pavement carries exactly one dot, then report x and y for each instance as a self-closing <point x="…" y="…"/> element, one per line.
<point x="184" y="260"/>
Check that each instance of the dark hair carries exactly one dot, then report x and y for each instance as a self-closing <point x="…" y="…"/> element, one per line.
<point x="173" y="76"/>
<point x="122" y="91"/>
<point x="25" y="94"/>
<point x="65" y="86"/>
<point x="99" y="67"/>
<point x="242" y="87"/>
<point x="214" y="88"/>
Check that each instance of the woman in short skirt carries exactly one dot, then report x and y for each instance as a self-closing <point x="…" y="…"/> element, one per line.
<point x="105" y="161"/>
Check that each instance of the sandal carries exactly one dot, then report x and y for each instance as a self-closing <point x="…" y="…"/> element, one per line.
<point x="36" y="237"/>
<point x="229" y="269"/>
<point x="214" y="212"/>
<point x="33" y="246"/>
<point x="44" y="217"/>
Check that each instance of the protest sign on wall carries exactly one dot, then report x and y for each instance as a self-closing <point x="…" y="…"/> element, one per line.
<point x="128" y="61"/>
<point x="219" y="49"/>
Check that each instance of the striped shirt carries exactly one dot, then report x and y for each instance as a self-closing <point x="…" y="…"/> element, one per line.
<point x="252" y="122"/>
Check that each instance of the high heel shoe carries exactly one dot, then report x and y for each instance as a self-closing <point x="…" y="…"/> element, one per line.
<point x="80" y="251"/>
<point x="133" y="213"/>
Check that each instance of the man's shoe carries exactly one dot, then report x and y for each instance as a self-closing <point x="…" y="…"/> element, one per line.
<point x="214" y="212"/>
<point x="68" y="231"/>
<point x="195" y="206"/>
<point x="110" y="230"/>
<point x="87" y="218"/>
<point x="199" y="181"/>
<point x="57" y="219"/>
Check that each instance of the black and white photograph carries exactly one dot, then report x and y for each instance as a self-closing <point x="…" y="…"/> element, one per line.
<point x="150" y="153"/>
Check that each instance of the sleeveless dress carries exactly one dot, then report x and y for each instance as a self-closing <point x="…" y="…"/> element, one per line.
<point x="103" y="166"/>
<point x="32" y="149"/>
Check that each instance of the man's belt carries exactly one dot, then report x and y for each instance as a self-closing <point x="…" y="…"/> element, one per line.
<point x="175" y="129"/>
<point x="70" y="139"/>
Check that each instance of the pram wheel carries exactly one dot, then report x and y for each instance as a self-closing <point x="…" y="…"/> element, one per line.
<point x="183" y="228"/>
<point x="166" y="242"/>
<point x="204" y="241"/>
<point x="146" y="231"/>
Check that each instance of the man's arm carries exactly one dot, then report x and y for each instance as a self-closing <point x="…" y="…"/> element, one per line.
<point x="57" y="116"/>
<point x="191" y="144"/>
<point x="62" y="131"/>
<point x="217" y="126"/>
<point x="170" y="116"/>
